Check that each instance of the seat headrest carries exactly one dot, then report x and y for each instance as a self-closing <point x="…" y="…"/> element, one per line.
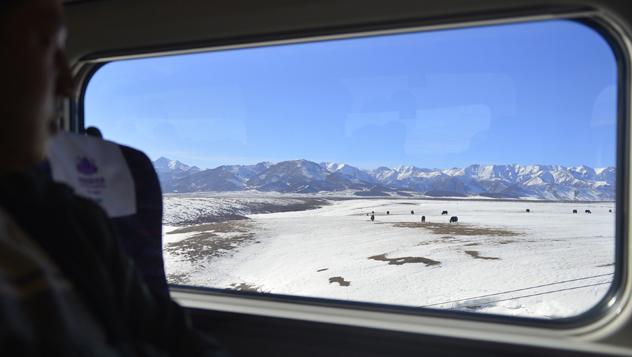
<point x="95" y="169"/>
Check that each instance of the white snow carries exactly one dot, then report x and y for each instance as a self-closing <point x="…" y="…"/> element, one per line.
<point x="190" y="207"/>
<point x="560" y="265"/>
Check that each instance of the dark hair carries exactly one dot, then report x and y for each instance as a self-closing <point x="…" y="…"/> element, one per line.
<point x="94" y="131"/>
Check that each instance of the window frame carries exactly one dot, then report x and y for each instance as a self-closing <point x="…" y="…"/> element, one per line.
<point x="329" y="310"/>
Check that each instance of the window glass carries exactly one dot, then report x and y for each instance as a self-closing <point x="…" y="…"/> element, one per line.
<point x="469" y="169"/>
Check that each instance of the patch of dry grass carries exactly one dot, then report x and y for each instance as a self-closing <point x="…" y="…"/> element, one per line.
<point x="448" y="229"/>
<point x="246" y="287"/>
<point x="404" y="260"/>
<point x="178" y="278"/>
<point x="340" y="280"/>
<point x="219" y="227"/>
<point x="208" y="243"/>
<point x="476" y="255"/>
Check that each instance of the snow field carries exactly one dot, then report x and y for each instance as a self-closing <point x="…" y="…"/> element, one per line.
<point x="548" y="263"/>
<point x="189" y="207"/>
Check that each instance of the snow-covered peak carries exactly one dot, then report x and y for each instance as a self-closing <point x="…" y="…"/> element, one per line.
<point x="165" y="165"/>
<point x="383" y="173"/>
<point x="583" y="172"/>
<point x="309" y="169"/>
<point x="294" y="168"/>
<point x="332" y="166"/>
<point x="348" y="172"/>
<point x="606" y="174"/>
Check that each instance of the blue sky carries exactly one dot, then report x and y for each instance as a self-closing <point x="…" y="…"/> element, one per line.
<point x="533" y="93"/>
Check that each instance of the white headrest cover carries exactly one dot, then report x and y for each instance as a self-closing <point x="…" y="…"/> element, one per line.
<point x="96" y="169"/>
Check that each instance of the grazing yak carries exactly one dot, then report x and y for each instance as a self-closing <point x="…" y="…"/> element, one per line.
<point x="574" y="211"/>
<point x="444" y="213"/>
<point x="388" y="212"/>
<point x="412" y="212"/>
<point x="610" y="210"/>
<point x="423" y="219"/>
<point x="587" y="211"/>
<point x="372" y="218"/>
<point x="528" y="210"/>
<point x="454" y="219"/>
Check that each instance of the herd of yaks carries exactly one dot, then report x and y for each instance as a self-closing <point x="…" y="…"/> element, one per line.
<point x="455" y="219"/>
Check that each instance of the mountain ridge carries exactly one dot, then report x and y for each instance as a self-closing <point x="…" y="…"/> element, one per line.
<point x="547" y="182"/>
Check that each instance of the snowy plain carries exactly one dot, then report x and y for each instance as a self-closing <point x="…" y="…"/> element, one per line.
<point x="546" y="263"/>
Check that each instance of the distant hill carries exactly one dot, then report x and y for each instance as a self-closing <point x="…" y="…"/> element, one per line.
<point x="550" y="182"/>
<point x="172" y="170"/>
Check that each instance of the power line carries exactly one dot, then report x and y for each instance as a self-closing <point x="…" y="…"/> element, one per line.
<point x="516" y="290"/>
<point x="544" y="293"/>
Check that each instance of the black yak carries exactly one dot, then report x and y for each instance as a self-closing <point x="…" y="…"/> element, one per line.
<point x="574" y="211"/>
<point x="444" y="213"/>
<point x="454" y="219"/>
<point x="423" y="219"/>
<point x="587" y="211"/>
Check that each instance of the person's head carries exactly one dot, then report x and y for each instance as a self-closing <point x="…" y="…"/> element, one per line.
<point x="94" y="132"/>
<point x="34" y="73"/>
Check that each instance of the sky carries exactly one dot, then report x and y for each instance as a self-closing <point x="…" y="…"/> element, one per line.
<point x="532" y="93"/>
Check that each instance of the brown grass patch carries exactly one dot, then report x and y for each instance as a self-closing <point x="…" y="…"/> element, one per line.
<point x="207" y="243"/>
<point x="440" y="240"/>
<point x="303" y="204"/>
<point x="476" y="255"/>
<point x="448" y="229"/>
<point x="404" y="260"/>
<point x="246" y="287"/>
<point x="179" y="278"/>
<point x="220" y="227"/>
<point x="340" y="280"/>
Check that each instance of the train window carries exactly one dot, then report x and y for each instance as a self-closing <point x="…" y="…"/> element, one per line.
<point x="470" y="169"/>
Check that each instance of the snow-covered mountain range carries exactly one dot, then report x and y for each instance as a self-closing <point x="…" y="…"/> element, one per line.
<point x="550" y="182"/>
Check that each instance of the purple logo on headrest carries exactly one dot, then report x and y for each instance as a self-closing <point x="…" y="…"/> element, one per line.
<point x="86" y="166"/>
